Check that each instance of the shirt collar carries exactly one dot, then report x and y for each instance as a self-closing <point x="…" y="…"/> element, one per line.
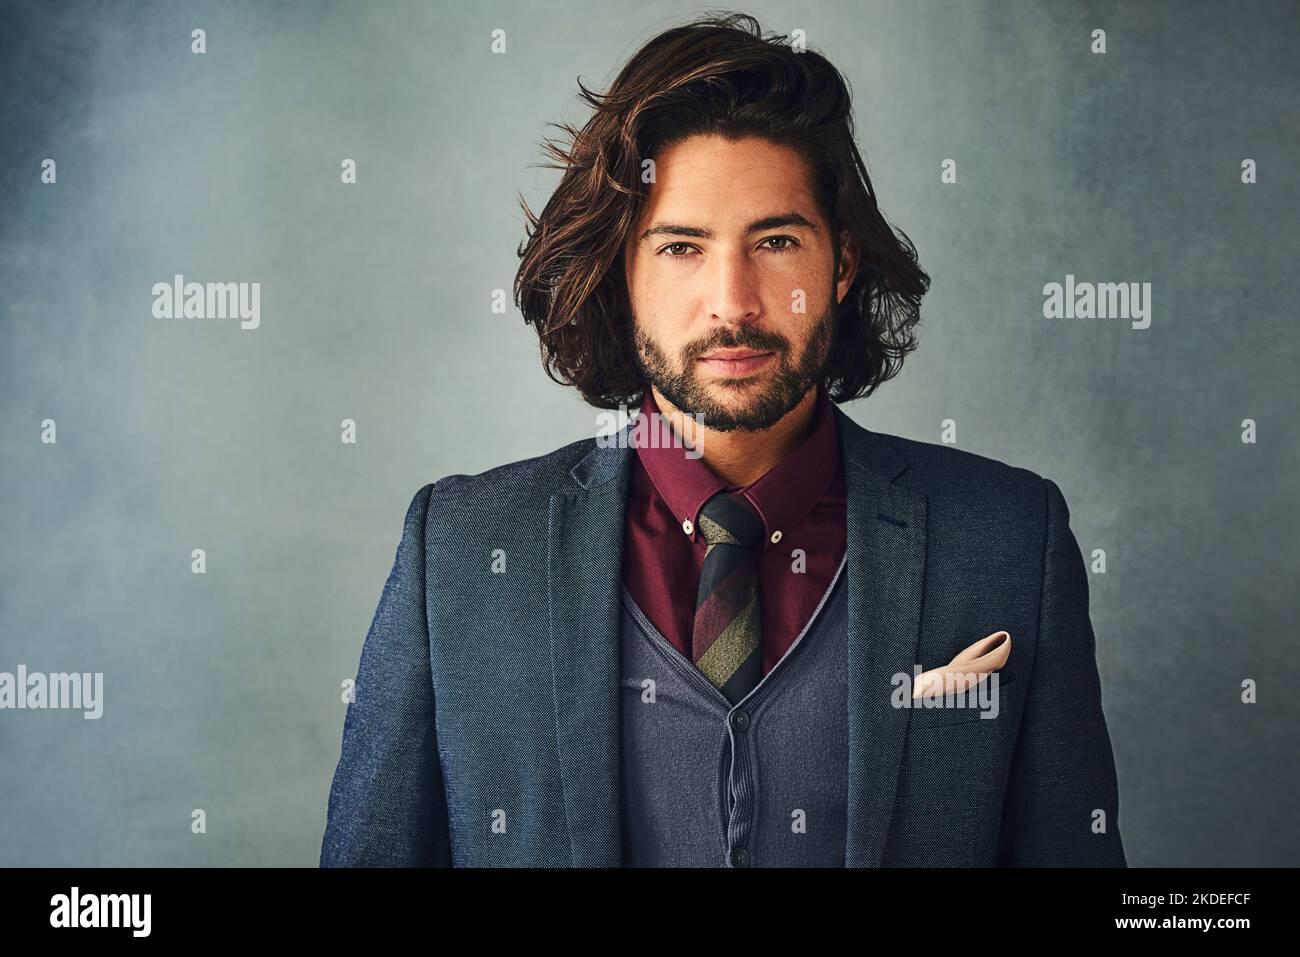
<point x="783" y="495"/>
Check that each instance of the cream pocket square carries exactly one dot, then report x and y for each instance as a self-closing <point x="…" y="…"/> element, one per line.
<point x="971" y="666"/>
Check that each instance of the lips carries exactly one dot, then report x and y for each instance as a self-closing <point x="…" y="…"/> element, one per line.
<point x="735" y="362"/>
<point x="734" y="354"/>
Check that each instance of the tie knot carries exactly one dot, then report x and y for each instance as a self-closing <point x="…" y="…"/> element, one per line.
<point x="728" y="518"/>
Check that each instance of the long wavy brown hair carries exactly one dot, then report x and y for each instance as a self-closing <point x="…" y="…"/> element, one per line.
<point x="716" y="75"/>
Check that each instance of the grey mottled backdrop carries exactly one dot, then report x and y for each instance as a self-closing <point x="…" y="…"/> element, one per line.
<point x="222" y="690"/>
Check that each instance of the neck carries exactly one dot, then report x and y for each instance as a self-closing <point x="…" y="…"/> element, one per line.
<point x="738" y="457"/>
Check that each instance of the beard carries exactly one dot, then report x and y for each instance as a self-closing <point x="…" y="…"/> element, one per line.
<point x="761" y="401"/>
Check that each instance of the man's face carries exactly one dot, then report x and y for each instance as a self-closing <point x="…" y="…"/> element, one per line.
<point x="732" y="256"/>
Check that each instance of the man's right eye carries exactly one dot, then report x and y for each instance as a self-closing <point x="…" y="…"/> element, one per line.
<point x="675" y="246"/>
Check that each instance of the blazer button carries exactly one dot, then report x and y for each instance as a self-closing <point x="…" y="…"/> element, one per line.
<point x="740" y="720"/>
<point x="739" y="857"/>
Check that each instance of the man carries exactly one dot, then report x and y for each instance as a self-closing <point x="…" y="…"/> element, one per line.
<point x="695" y="645"/>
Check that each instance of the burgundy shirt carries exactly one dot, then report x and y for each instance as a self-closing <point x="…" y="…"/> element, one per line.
<point x="804" y="497"/>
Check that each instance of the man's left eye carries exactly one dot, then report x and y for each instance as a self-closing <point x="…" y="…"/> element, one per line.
<point x="790" y="241"/>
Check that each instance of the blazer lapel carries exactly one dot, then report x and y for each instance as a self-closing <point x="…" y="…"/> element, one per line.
<point x="584" y="570"/>
<point x="886" y="572"/>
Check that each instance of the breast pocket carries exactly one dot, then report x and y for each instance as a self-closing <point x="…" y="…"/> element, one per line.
<point x="994" y="710"/>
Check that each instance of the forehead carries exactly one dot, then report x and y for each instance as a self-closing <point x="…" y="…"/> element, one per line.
<point x="727" y="180"/>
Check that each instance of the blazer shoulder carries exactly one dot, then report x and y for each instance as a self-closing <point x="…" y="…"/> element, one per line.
<point x="975" y="501"/>
<point x="967" y="478"/>
<point x="512" y="488"/>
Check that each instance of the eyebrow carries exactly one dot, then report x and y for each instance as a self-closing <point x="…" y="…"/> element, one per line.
<point x="779" y="221"/>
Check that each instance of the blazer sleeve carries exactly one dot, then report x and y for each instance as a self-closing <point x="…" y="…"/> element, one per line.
<point x="1063" y="771"/>
<point x="387" y="806"/>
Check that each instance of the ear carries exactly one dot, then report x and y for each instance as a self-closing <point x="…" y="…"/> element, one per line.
<point x="847" y="268"/>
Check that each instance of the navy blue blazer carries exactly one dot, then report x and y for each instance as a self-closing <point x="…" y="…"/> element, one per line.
<point x="488" y="686"/>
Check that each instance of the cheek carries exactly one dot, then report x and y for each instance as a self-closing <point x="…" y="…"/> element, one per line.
<point x="645" y="286"/>
<point x="664" y="304"/>
<point x="657" y="278"/>
<point x="795" y="304"/>
<point x="790" y="287"/>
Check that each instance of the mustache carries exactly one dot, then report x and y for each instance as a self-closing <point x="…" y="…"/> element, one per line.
<point x="748" y="340"/>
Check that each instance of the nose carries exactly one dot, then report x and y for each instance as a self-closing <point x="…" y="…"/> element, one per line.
<point x="733" y="285"/>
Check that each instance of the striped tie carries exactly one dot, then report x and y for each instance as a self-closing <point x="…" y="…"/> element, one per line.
<point x="727" y="641"/>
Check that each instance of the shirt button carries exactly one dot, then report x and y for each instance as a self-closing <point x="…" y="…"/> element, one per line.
<point x="776" y="536"/>
<point x="739" y="857"/>
<point x="687" y="526"/>
<point x="740" y="720"/>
